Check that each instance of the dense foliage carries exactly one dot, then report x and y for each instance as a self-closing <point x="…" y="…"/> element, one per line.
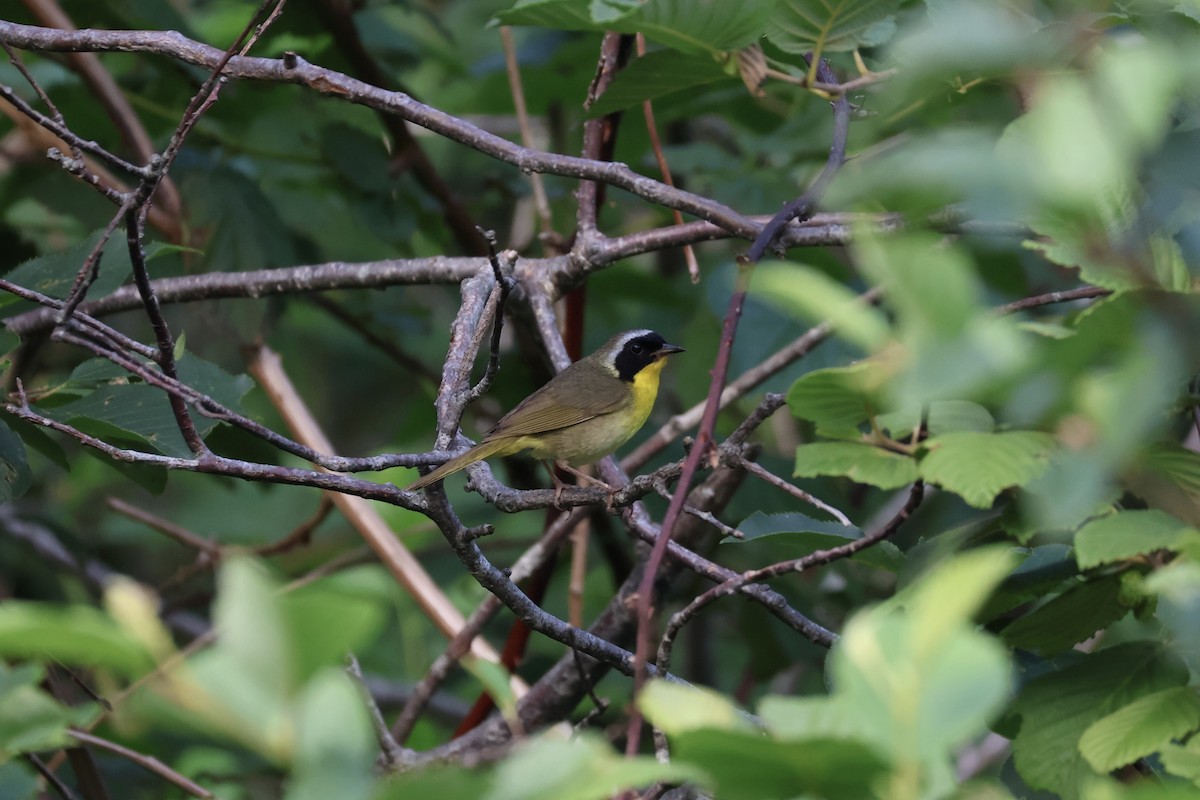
<point x="959" y="439"/>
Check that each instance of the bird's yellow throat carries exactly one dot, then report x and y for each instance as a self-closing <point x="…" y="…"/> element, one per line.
<point x="645" y="389"/>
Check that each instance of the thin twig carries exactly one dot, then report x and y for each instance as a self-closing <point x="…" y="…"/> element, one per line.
<point x="795" y="491"/>
<point x="392" y="754"/>
<point x="149" y="763"/>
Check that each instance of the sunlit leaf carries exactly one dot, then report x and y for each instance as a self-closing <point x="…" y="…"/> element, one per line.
<point x="861" y="463"/>
<point x="1126" y="534"/>
<point x="838" y="398"/>
<point x="813" y="295"/>
<point x="1140" y="728"/>
<point x="979" y="466"/>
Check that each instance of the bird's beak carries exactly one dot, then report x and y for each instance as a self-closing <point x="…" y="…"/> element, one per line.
<point x="666" y="350"/>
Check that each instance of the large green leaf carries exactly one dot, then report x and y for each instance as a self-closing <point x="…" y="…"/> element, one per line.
<point x="944" y="416"/>
<point x="675" y="709"/>
<point x="1126" y="534"/>
<point x="837" y="399"/>
<point x="828" y="25"/>
<point x="586" y="768"/>
<point x="861" y="463"/>
<point x="1056" y="709"/>
<point x="334" y="743"/>
<point x="54" y="274"/>
<point x="1072" y="617"/>
<point x="917" y="675"/>
<point x="813" y="295"/>
<point x="30" y="719"/>
<point x="979" y="466"/>
<point x="78" y="635"/>
<point x="690" y="26"/>
<point x="657" y="74"/>
<point x="1140" y="728"/>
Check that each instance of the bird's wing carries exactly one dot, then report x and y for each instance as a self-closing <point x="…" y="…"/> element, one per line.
<point x="548" y="410"/>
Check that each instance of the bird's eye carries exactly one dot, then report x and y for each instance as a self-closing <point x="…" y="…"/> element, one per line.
<point x="635" y="348"/>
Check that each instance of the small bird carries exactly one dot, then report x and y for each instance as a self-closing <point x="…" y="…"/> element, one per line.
<point x="584" y="413"/>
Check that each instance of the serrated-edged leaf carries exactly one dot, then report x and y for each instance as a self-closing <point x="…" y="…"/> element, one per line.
<point x="1126" y="534"/>
<point x="979" y="466"/>
<point x="54" y="274"/>
<point x="861" y="463"/>
<point x="1140" y="728"/>
<point x="1178" y="464"/>
<point x="14" y="466"/>
<point x="1057" y="708"/>
<point x="1073" y="616"/>
<point x="654" y="75"/>
<point x="837" y="398"/>
<point x="807" y="535"/>
<point x="945" y="416"/>
<point x="832" y="25"/>
<point x="700" y="26"/>
<point x="137" y="409"/>
<point x="815" y="296"/>
<point x="690" y="26"/>
<point x="1183" y="760"/>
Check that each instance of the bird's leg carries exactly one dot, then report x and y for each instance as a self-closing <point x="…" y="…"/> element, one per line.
<point x="583" y="476"/>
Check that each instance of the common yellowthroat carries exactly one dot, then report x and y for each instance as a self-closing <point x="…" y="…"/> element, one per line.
<point x="584" y="413"/>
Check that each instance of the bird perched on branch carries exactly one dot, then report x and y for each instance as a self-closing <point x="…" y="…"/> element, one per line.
<point x="583" y="414"/>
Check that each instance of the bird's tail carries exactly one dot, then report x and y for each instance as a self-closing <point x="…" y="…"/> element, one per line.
<point x="479" y="452"/>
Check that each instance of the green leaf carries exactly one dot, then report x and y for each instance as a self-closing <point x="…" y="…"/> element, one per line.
<point x="979" y="466"/>
<point x="674" y="708"/>
<point x="1140" y="728"/>
<point x="807" y="718"/>
<point x="1056" y="709"/>
<point x="1072" y="617"/>
<point x="748" y="766"/>
<point x="839" y="398"/>
<point x="945" y="416"/>
<point x="1126" y="534"/>
<point x="807" y="535"/>
<point x="861" y="463"/>
<point x="915" y="678"/>
<point x="335" y="747"/>
<point x="1183" y="760"/>
<point x="813" y="295"/>
<point x="802" y="25"/>
<point x="19" y="781"/>
<point x="71" y="634"/>
<point x="657" y="74"/>
<point x="690" y="26"/>
<point x="30" y="719"/>
<point x="54" y="274"/>
<point x="586" y="768"/>
<point x="14" y="466"/>
<point x="258" y="642"/>
<point x="325" y="621"/>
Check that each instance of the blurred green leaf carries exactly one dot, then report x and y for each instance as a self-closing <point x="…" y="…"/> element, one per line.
<point x="979" y="466"/>
<point x="30" y="719"/>
<point x="1140" y="728"/>
<point x="324" y="622"/>
<point x="19" y="781"/>
<point x="78" y="635"/>
<point x="583" y="769"/>
<point x="749" y="766"/>
<point x="861" y="463"/>
<point x="1182" y="760"/>
<point x="813" y="295"/>
<point x="335" y="747"/>
<point x="675" y="709"/>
